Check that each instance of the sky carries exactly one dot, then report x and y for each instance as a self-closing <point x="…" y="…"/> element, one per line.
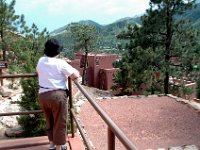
<point x="54" y="14"/>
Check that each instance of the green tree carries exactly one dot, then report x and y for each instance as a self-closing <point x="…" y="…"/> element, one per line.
<point x="8" y="24"/>
<point x="135" y="65"/>
<point x="174" y="36"/>
<point x="85" y="38"/>
<point x="166" y="36"/>
<point x="32" y="125"/>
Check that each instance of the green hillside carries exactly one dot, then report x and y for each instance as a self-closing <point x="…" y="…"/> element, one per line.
<point x="194" y="16"/>
<point x="110" y="31"/>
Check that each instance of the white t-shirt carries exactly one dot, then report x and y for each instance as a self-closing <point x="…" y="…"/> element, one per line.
<point x="53" y="73"/>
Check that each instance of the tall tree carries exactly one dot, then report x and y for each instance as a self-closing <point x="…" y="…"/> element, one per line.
<point x="85" y="38"/>
<point x="174" y="37"/>
<point x="8" y="23"/>
<point x="33" y="46"/>
<point x="166" y="36"/>
<point x="135" y="65"/>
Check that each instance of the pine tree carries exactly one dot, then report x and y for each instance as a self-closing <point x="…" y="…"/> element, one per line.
<point x="85" y="38"/>
<point x="135" y="65"/>
<point x="8" y="24"/>
<point x="33" y="125"/>
<point x="174" y="36"/>
<point x="163" y="37"/>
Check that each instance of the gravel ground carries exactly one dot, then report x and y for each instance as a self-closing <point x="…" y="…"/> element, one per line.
<point x="150" y="123"/>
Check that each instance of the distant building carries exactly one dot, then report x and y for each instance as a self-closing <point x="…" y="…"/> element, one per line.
<point x="100" y="69"/>
<point x="100" y="73"/>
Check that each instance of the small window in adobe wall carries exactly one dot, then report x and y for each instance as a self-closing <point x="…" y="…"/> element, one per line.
<point x="97" y="61"/>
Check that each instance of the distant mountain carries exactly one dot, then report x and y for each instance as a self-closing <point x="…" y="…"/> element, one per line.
<point x="59" y="30"/>
<point x="120" y="23"/>
<point x="194" y="16"/>
<point x="86" y="22"/>
<point x="90" y="22"/>
<point x="135" y="19"/>
<point x="110" y="31"/>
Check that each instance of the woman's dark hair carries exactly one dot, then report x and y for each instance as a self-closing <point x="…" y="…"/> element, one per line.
<point x="52" y="48"/>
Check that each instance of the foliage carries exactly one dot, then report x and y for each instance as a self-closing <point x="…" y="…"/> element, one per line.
<point x="168" y="46"/>
<point x="34" y="125"/>
<point x="10" y="23"/>
<point x="29" y="99"/>
<point x="84" y="38"/>
<point x="175" y="37"/>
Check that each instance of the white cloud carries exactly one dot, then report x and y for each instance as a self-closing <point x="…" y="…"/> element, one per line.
<point x="104" y="7"/>
<point x="58" y="7"/>
<point x="51" y="13"/>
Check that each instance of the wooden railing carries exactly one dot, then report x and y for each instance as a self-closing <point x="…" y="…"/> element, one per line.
<point x="113" y="129"/>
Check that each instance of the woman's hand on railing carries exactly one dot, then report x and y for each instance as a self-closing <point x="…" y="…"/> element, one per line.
<point x="75" y="75"/>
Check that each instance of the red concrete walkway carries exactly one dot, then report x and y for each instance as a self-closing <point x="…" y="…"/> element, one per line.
<point x="149" y="122"/>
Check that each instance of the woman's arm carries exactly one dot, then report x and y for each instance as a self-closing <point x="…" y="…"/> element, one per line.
<point x="74" y="75"/>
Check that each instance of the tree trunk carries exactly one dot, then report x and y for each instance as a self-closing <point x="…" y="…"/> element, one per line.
<point x="168" y="49"/>
<point x="3" y="44"/>
<point x="85" y="68"/>
<point x="166" y="83"/>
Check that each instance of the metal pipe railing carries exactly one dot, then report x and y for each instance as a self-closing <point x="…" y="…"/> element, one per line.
<point x="71" y="106"/>
<point x="21" y="113"/>
<point x="111" y="139"/>
<point x="18" y="76"/>
<point x="112" y="126"/>
<point x="86" y="141"/>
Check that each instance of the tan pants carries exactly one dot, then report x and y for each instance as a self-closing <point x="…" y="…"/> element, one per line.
<point x="55" y="105"/>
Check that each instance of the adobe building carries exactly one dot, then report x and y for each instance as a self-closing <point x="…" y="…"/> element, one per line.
<point x="100" y="73"/>
<point x="100" y="69"/>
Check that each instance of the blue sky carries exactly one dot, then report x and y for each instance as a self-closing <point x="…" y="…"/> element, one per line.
<point x="53" y="14"/>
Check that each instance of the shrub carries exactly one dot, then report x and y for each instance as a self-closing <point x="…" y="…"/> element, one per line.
<point x="33" y="125"/>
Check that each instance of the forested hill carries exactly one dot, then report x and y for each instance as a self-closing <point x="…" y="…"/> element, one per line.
<point x="110" y="31"/>
<point x="120" y="23"/>
<point x="194" y="16"/>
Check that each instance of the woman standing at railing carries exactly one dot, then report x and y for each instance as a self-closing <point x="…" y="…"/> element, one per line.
<point x="53" y="74"/>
